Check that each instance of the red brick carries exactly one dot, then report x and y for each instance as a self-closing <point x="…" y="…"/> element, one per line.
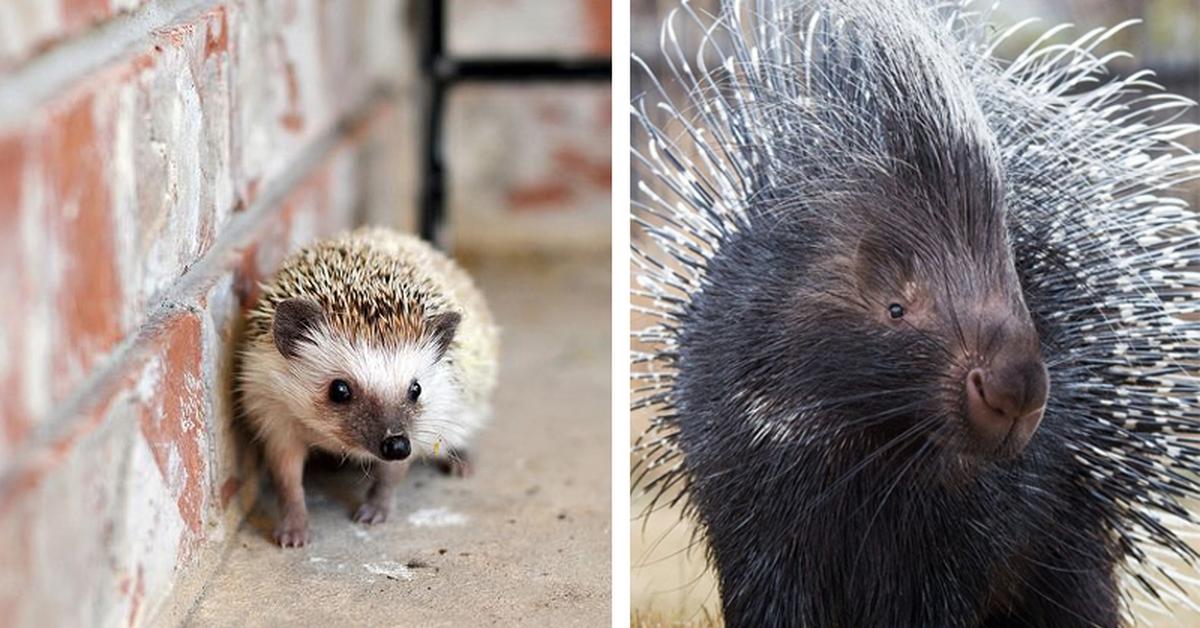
<point x="293" y="118"/>
<point x="173" y="423"/>
<point x="504" y="184"/>
<point x="595" y="170"/>
<point x="26" y="478"/>
<point x="14" y="418"/>
<point x="78" y="14"/>
<point x="530" y="27"/>
<point x="599" y="26"/>
<point x="549" y="195"/>
<point x="247" y="278"/>
<point x="135" y="596"/>
<point x="216" y="40"/>
<point x="99" y="284"/>
<point x="89" y="293"/>
<point x="88" y="527"/>
<point x="40" y="24"/>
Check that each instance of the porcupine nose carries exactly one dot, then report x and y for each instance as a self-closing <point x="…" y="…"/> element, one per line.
<point x="1005" y="404"/>
<point x="395" y="447"/>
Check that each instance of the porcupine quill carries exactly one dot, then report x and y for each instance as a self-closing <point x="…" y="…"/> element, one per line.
<point x="795" y="111"/>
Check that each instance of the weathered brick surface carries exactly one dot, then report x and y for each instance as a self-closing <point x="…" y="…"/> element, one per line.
<point x="145" y="196"/>
<point x="142" y="202"/>
<point x="123" y="182"/>
<point x="126" y="496"/>
<point x="530" y="27"/>
<point x="115" y="502"/>
<point x="27" y="26"/>
<point x="511" y="194"/>
<point x="530" y="165"/>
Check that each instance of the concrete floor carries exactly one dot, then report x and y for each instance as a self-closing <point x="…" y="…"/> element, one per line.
<point x="525" y="541"/>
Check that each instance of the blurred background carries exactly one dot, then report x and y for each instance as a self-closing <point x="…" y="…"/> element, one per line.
<point x="158" y="158"/>
<point x="670" y="583"/>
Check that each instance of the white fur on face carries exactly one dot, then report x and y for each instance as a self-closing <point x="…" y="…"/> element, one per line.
<point x="301" y="383"/>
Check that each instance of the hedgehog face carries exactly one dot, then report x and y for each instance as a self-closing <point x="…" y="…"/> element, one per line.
<point x="371" y="399"/>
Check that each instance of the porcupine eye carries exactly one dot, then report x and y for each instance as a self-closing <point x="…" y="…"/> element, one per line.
<point x="896" y="310"/>
<point x="339" y="391"/>
<point x="414" y="391"/>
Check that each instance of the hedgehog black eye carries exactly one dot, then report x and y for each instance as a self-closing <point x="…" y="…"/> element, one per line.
<point x="896" y="310"/>
<point x="414" y="390"/>
<point x="339" y="391"/>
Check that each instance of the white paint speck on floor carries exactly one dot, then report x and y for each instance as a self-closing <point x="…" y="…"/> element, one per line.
<point x="436" y="518"/>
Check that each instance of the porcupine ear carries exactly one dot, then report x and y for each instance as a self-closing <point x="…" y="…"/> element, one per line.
<point x="294" y="319"/>
<point x="443" y="327"/>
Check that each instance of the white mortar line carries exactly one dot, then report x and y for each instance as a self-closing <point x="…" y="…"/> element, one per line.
<point x="68" y="62"/>
<point x="233" y="238"/>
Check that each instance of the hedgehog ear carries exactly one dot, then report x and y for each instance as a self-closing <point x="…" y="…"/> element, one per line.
<point x="443" y="327"/>
<point x="294" y="319"/>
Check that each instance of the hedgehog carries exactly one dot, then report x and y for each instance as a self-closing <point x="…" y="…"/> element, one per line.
<point x="922" y="330"/>
<point x="372" y="346"/>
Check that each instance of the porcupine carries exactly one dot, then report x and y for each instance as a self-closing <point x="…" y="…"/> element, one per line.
<point x="371" y="345"/>
<point x="922" y="339"/>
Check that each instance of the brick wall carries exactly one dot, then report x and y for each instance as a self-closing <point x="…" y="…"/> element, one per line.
<point x="530" y="165"/>
<point x="156" y="160"/>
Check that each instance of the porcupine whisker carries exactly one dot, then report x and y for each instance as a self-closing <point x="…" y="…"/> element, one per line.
<point x="900" y="440"/>
<point x="863" y="423"/>
<point x="657" y="503"/>
<point x="1043" y="595"/>
<point x="904" y="468"/>
<point x="954" y="320"/>
<point x="654" y="504"/>
<point x="654" y="546"/>
<point x="955" y="359"/>
<point x="661" y="488"/>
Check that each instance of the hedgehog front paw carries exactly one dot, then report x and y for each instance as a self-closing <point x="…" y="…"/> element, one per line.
<point x="371" y="513"/>
<point x="291" y="535"/>
<point x="292" y="530"/>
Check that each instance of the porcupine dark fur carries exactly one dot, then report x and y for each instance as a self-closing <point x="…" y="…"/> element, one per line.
<point x="826" y="149"/>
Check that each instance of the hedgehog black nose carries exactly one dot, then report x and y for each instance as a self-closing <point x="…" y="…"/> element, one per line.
<point x="395" y="448"/>
<point x="1005" y="404"/>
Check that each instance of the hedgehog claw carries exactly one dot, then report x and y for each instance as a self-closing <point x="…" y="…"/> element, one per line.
<point x="291" y="537"/>
<point x="370" y="514"/>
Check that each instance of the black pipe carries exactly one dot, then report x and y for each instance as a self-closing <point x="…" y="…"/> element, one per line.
<point x="433" y="175"/>
<point x="525" y="70"/>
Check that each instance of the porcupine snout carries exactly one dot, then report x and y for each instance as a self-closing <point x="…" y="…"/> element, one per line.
<point x="1006" y="398"/>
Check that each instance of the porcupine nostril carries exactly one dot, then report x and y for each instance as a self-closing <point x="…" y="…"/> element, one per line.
<point x="1005" y="405"/>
